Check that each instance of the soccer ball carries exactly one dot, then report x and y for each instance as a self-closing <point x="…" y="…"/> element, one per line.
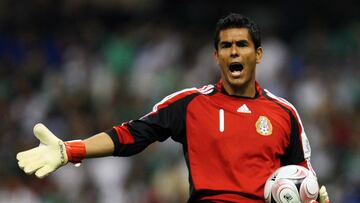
<point x="291" y="184"/>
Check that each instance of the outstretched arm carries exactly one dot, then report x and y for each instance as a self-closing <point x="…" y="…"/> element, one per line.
<point x="167" y="119"/>
<point x="52" y="153"/>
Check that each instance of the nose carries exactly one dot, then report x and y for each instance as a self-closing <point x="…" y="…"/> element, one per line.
<point x="234" y="52"/>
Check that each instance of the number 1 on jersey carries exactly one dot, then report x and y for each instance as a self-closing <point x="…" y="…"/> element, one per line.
<point x="221" y="120"/>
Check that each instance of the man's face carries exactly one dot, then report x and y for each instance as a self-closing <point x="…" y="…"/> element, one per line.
<point x="237" y="58"/>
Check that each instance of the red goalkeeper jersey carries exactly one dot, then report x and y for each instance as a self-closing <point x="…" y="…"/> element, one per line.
<point x="231" y="144"/>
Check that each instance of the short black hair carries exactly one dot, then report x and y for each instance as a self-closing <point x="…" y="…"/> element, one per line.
<point x="235" y="20"/>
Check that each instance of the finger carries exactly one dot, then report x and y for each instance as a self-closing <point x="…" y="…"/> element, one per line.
<point x="29" y="153"/>
<point x="44" y="171"/>
<point x="323" y="189"/>
<point x="35" y="165"/>
<point x="323" y="193"/>
<point x="28" y="161"/>
<point x="45" y="135"/>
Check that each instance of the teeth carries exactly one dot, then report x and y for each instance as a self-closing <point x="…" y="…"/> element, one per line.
<point x="235" y="73"/>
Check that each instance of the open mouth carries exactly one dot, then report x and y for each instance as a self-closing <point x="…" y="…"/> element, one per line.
<point x="236" y="67"/>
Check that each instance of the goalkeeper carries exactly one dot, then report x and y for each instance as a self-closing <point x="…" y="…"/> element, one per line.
<point x="234" y="133"/>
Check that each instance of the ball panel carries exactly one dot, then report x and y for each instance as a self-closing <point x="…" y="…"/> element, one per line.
<point x="284" y="190"/>
<point x="289" y="196"/>
<point x="309" y="189"/>
<point x="267" y="191"/>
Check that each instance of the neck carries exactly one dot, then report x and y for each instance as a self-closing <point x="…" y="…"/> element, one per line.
<point x="245" y="90"/>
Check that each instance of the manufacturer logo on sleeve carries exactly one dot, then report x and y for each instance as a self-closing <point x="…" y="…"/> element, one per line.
<point x="263" y="126"/>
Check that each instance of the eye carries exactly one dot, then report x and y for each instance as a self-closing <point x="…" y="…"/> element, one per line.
<point x="225" y="44"/>
<point x="242" y="43"/>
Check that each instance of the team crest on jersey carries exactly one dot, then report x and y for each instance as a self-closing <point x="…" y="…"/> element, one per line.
<point x="263" y="126"/>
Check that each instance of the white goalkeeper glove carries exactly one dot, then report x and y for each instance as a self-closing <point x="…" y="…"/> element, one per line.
<point x="47" y="157"/>
<point x="323" y="196"/>
<point x="51" y="154"/>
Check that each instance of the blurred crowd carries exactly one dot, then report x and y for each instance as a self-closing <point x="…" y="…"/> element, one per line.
<point x="82" y="68"/>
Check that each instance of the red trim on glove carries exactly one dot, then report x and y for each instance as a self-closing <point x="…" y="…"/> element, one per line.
<point x="75" y="151"/>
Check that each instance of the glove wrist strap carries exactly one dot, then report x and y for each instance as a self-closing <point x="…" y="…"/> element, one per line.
<point x="75" y="151"/>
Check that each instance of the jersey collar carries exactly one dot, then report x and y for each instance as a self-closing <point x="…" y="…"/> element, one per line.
<point x="220" y="88"/>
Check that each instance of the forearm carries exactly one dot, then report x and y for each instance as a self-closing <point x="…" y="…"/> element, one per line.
<point x="99" y="145"/>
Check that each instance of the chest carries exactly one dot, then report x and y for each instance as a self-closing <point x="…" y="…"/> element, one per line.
<point x="238" y="126"/>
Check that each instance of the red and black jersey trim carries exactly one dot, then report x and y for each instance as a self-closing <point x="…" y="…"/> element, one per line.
<point x="167" y="121"/>
<point x="294" y="153"/>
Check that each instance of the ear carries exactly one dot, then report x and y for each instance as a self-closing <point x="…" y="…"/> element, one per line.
<point x="259" y="54"/>
<point x="216" y="56"/>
